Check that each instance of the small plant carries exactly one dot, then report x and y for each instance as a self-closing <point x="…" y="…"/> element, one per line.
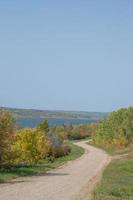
<point x="51" y="159"/>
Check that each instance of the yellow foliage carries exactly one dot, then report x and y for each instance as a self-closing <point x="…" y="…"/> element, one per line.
<point x="120" y="139"/>
<point x="31" y="145"/>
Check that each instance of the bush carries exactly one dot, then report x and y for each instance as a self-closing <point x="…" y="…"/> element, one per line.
<point x="31" y="145"/>
<point x="7" y="132"/>
<point x="58" y="148"/>
<point x="68" y="129"/>
<point x="116" y="130"/>
<point x="76" y="132"/>
<point x="60" y="133"/>
<point x="79" y="132"/>
<point x="61" y="150"/>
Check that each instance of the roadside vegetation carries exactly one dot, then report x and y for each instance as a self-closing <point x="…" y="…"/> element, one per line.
<point x="115" y="132"/>
<point x="9" y="172"/>
<point x="26" y="151"/>
<point x="115" y="135"/>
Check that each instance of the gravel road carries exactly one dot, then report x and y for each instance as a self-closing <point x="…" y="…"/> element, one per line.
<point x="64" y="183"/>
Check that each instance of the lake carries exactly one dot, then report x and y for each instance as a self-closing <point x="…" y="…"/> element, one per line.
<point x="32" y="122"/>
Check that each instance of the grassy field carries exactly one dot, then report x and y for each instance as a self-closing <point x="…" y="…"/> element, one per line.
<point x="45" y="165"/>
<point x="117" y="181"/>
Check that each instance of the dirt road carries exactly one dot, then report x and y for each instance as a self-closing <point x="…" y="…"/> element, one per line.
<point x="65" y="183"/>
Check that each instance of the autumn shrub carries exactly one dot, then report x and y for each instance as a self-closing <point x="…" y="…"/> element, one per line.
<point x="31" y="145"/>
<point x="116" y="130"/>
<point x="58" y="147"/>
<point x="60" y="133"/>
<point x="59" y="151"/>
<point x="7" y="132"/>
<point x="79" y="132"/>
<point x="68" y="129"/>
<point x="73" y="132"/>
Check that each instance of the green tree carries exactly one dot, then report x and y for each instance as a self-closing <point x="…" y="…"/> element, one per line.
<point x="44" y="126"/>
<point x="116" y="129"/>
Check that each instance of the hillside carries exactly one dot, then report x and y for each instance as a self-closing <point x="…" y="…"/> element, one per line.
<point x="31" y="113"/>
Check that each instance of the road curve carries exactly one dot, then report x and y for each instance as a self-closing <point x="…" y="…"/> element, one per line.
<point x="63" y="183"/>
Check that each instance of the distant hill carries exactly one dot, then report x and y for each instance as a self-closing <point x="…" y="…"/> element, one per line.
<point x="47" y="114"/>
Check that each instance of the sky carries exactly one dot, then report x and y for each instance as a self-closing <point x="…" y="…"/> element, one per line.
<point x="66" y="55"/>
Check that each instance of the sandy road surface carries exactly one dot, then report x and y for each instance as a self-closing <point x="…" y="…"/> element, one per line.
<point x="64" y="183"/>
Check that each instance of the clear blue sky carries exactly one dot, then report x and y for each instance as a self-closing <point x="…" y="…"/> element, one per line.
<point x="66" y="55"/>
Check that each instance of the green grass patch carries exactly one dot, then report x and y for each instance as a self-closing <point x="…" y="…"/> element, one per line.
<point x="8" y="173"/>
<point x="117" y="181"/>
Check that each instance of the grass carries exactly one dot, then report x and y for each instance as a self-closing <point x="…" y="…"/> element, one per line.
<point x="9" y="173"/>
<point x="121" y="151"/>
<point x="117" y="181"/>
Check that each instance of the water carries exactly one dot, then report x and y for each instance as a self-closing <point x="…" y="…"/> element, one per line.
<point x="32" y="122"/>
